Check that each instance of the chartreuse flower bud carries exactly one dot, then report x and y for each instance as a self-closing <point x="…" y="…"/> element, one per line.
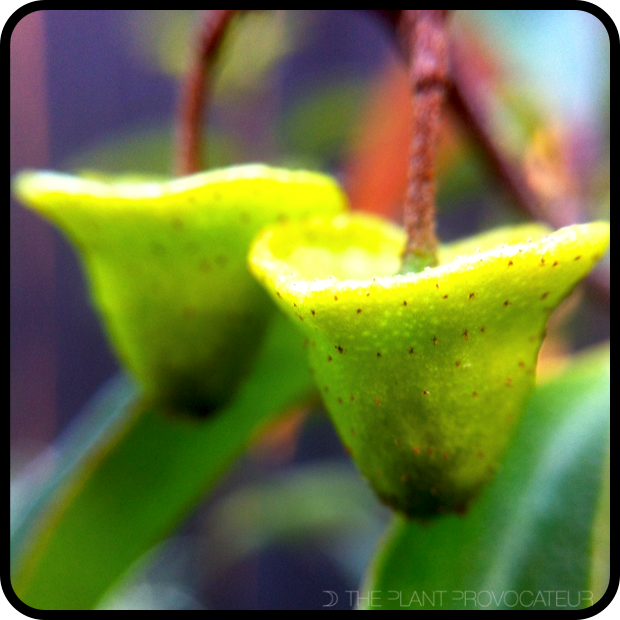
<point x="167" y="265"/>
<point x="424" y="374"/>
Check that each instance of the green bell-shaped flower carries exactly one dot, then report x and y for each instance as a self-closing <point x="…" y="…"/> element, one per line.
<point x="424" y="374"/>
<point x="167" y="266"/>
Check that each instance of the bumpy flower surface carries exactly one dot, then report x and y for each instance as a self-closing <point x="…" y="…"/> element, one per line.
<point x="167" y="265"/>
<point x="424" y="374"/>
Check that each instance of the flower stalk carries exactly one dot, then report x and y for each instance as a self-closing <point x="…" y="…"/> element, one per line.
<point x="195" y="90"/>
<point x="426" y="43"/>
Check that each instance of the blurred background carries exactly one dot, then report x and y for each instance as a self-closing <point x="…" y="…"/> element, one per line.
<point x="326" y="90"/>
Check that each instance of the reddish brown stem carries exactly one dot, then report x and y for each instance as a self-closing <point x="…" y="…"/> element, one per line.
<point x="425" y="38"/>
<point x="471" y="103"/>
<point x="194" y="92"/>
<point x="470" y="100"/>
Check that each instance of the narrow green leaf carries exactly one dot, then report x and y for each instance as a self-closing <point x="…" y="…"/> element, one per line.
<point x="34" y="487"/>
<point x="131" y="492"/>
<point x="528" y="542"/>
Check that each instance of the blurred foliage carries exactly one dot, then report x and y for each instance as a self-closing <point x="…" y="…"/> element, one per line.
<point x="325" y="504"/>
<point x="140" y="477"/>
<point x="323" y="124"/>
<point x="39" y="482"/>
<point x="252" y="47"/>
<point x="322" y="506"/>
<point x="149" y="151"/>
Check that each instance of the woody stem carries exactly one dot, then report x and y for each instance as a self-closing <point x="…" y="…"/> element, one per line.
<point x="425" y="39"/>
<point x="194" y="93"/>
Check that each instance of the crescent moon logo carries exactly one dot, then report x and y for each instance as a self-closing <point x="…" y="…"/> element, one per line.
<point x="334" y="598"/>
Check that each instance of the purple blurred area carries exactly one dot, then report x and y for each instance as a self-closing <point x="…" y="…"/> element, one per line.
<point x="72" y="84"/>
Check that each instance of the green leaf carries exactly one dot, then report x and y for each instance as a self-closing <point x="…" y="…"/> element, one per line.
<point x="34" y="487"/>
<point x="528" y="542"/>
<point x="135" y="487"/>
